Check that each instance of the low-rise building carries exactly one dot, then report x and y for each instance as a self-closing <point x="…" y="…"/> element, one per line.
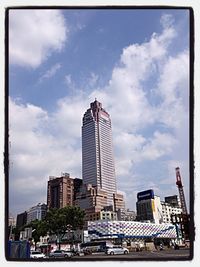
<point x="108" y="215"/>
<point x="127" y="215"/>
<point x="129" y="231"/>
<point x="11" y="221"/>
<point x="173" y="201"/>
<point x="168" y="210"/>
<point x="102" y="215"/>
<point x="118" y="201"/>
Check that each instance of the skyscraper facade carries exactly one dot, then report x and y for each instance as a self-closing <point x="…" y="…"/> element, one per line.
<point x="97" y="150"/>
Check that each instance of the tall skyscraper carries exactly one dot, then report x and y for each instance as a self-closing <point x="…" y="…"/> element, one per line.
<point x="97" y="150"/>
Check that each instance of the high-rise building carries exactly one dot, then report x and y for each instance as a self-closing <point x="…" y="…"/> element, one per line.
<point x="21" y="219"/>
<point x="77" y="186"/>
<point x="60" y="191"/>
<point x="91" y="199"/>
<point x="149" y="207"/>
<point x="97" y="150"/>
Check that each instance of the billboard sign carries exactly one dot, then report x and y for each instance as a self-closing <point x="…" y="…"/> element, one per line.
<point x="147" y="194"/>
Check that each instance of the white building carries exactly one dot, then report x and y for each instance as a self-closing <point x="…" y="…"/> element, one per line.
<point x="97" y="150"/>
<point x="37" y="212"/>
<point x="108" y="215"/>
<point x="126" y="215"/>
<point x="168" y="210"/>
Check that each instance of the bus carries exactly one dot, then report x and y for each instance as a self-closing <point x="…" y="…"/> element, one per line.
<point x="96" y="246"/>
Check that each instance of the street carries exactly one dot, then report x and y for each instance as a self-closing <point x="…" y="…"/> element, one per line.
<point x="168" y="254"/>
<point x="182" y="254"/>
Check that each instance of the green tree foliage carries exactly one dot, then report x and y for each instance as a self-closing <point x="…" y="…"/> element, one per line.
<point x="59" y="221"/>
<point x="39" y="228"/>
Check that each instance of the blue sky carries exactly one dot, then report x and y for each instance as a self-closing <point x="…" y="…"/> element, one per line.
<point x="136" y="62"/>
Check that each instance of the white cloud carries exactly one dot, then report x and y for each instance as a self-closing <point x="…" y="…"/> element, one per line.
<point x="127" y="146"/>
<point x="80" y="26"/>
<point x="21" y="114"/>
<point x="68" y="118"/>
<point x="127" y="92"/>
<point x="167" y="20"/>
<point x="51" y="72"/>
<point x="40" y="144"/>
<point x="93" y="79"/>
<point x="68" y="79"/>
<point x="174" y="90"/>
<point x="34" y="35"/>
<point x="160" y="145"/>
<point x="177" y="68"/>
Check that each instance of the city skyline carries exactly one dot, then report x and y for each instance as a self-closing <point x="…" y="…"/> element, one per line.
<point x="135" y="62"/>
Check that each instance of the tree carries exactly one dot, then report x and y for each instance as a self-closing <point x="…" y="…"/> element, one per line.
<point x="16" y="231"/>
<point x="39" y="228"/>
<point x="59" y="221"/>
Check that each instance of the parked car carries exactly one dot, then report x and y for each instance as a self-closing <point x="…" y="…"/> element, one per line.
<point x="61" y="254"/>
<point x="117" y="250"/>
<point x="37" y="255"/>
